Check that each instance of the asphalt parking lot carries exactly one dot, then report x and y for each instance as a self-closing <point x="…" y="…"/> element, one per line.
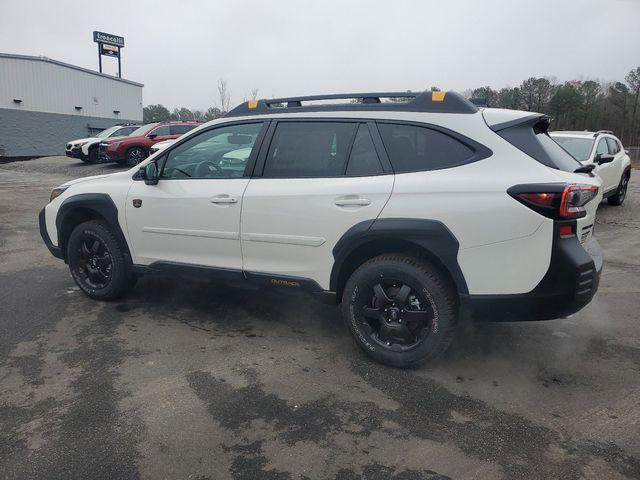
<point x="200" y="381"/>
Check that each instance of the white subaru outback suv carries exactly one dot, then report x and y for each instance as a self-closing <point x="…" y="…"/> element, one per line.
<point x="409" y="214"/>
<point x="604" y="151"/>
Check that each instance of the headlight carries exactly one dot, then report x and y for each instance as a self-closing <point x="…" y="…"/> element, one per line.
<point x="79" y="144"/>
<point x="56" y="192"/>
<point x="114" y="144"/>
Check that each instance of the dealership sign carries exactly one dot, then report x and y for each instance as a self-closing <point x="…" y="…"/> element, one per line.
<point x="115" y="40"/>
<point x="109" y="45"/>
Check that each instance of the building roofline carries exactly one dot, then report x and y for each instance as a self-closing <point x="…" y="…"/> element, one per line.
<point x="68" y="65"/>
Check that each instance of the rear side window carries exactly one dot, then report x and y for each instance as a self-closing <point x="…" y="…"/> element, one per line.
<point x="532" y="138"/>
<point x="412" y="148"/>
<point x="309" y="149"/>
<point x="180" y="129"/>
<point x="363" y="160"/>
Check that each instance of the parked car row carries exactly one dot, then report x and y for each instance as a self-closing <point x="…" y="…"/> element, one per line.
<point x="126" y="144"/>
<point x="86" y="149"/>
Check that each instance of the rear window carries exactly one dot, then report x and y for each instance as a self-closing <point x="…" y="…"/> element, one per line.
<point x="579" y="148"/>
<point x="412" y="148"/>
<point x="363" y="160"/>
<point x="309" y="149"/>
<point x="532" y="138"/>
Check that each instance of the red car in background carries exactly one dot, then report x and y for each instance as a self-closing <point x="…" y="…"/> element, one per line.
<point x="133" y="149"/>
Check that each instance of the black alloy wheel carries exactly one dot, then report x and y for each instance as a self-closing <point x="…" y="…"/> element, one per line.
<point x="93" y="265"/>
<point x="400" y="309"/>
<point x="396" y="317"/>
<point x="97" y="261"/>
<point x="135" y="156"/>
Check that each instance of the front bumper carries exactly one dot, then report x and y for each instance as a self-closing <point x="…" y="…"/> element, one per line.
<point x="569" y="285"/>
<point x="106" y="154"/>
<point x="75" y="152"/>
<point x="55" y="251"/>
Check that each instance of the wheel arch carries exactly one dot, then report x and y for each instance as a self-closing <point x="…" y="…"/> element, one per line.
<point x="85" y="207"/>
<point x="430" y="239"/>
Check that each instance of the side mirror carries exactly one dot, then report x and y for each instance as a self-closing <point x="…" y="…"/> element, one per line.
<point x="604" y="158"/>
<point x="152" y="135"/>
<point x="149" y="173"/>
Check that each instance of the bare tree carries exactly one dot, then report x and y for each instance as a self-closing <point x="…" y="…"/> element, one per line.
<point x="254" y="94"/>
<point x="224" y="96"/>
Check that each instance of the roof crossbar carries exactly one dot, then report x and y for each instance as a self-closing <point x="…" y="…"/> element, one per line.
<point x="601" y="132"/>
<point x="428" y="101"/>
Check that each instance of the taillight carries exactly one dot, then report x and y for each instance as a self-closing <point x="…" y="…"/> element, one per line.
<point x="574" y="198"/>
<point x="557" y="201"/>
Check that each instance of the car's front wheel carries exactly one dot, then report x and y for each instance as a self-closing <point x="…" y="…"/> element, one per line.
<point x="135" y="155"/>
<point x="97" y="261"/>
<point x="621" y="193"/>
<point x="400" y="310"/>
<point x="93" y="155"/>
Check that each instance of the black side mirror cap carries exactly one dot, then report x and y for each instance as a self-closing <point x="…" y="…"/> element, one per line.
<point x="152" y="135"/>
<point x="588" y="168"/>
<point x="604" y="158"/>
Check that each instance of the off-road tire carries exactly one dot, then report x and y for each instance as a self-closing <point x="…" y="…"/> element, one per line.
<point x="120" y="280"/>
<point x="621" y="193"/>
<point x="436" y="288"/>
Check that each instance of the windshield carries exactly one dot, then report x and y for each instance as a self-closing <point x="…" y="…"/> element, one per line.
<point x="142" y="130"/>
<point x="579" y="148"/>
<point x="107" y="132"/>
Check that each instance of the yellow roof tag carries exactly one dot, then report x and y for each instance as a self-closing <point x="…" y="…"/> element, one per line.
<point x="437" y="96"/>
<point x="252" y="103"/>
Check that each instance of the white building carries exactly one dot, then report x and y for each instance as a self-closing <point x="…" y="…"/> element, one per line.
<point x="45" y="103"/>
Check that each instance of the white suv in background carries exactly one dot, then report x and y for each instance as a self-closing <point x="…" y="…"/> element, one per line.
<point x="86" y="149"/>
<point x="410" y="214"/>
<point x="604" y="151"/>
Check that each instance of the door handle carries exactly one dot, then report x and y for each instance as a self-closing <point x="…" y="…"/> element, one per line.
<point x="349" y="202"/>
<point x="224" y="199"/>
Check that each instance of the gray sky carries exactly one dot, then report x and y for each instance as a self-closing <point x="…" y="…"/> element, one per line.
<point x="180" y="48"/>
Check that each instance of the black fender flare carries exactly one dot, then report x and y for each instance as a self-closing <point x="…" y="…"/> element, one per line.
<point x="100" y="203"/>
<point x="431" y="236"/>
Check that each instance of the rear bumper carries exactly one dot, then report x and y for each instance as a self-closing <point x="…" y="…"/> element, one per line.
<point x="570" y="283"/>
<point x="55" y="251"/>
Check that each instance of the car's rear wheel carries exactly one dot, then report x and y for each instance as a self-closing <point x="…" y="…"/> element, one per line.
<point x="97" y="262"/>
<point x="400" y="310"/>
<point x="621" y="193"/>
<point x="135" y="155"/>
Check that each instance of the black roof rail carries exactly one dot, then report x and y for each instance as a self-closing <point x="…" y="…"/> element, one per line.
<point x="428" y="101"/>
<point x="601" y="132"/>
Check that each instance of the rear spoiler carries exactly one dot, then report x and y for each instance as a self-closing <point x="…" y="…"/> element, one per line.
<point x="538" y="120"/>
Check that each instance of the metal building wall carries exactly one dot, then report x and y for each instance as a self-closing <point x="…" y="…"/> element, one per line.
<point x="49" y="91"/>
<point x="46" y="85"/>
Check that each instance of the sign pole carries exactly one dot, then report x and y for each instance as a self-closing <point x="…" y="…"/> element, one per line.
<point x="119" y="65"/>
<point x="99" y="58"/>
